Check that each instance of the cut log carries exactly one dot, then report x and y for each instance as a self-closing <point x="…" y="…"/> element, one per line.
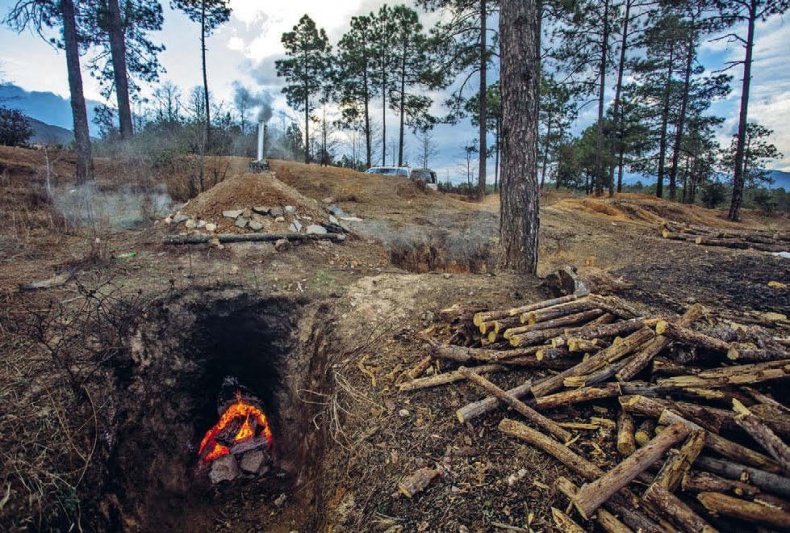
<point x="578" y="345"/>
<point x="570" y="320"/>
<point x="617" y="329"/>
<point x="527" y="412"/>
<point x="595" y="362"/>
<point x="705" y="482"/>
<point x="666" y="367"/>
<point x="564" y="522"/>
<point x="495" y="326"/>
<point x="710" y="418"/>
<point x="666" y="234"/>
<point x="252" y="237"/>
<point x="722" y="504"/>
<point x="691" y="337"/>
<point x="763" y="435"/>
<point x="486" y="316"/>
<point x="584" y="394"/>
<point x="680" y="461"/>
<point x="776" y="419"/>
<point x="461" y="312"/>
<point x="444" y="379"/>
<point x="766" y="481"/>
<point x="533" y="361"/>
<point x="626" y="444"/>
<point x="489" y="403"/>
<point x="55" y="281"/>
<point x="532" y="337"/>
<point x="592" y="495"/>
<point x="462" y="354"/>
<point x="756" y="356"/>
<point x="732" y="375"/>
<point x="608" y="522"/>
<point x="673" y="508"/>
<point x="722" y="446"/>
<point x="546" y="353"/>
<point x="657" y="345"/>
<point x="740" y="244"/>
<point x="616" y="306"/>
<point x="417" y="482"/>
<point x="550" y="313"/>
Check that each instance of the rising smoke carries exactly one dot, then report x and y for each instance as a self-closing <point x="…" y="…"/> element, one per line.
<point x="246" y="99"/>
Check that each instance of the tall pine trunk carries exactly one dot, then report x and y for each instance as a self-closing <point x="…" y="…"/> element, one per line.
<point x="481" y="172"/>
<point x="662" y="143"/>
<point x="207" y="133"/>
<point x="84" y="170"/>
<point x="545" y="155"/>
<point x="740" y="152"/>
<point x="519" y="221"/>
<point x="599" y="173"/>
<point x="681" y="123"/>
<point x="616" y="127"/>
<point x="402" y="106"/>
<point x="118" y="53"/>
<point x="368" y="134"/>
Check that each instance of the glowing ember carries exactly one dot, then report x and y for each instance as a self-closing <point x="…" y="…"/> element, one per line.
<point x="254" y="425"/>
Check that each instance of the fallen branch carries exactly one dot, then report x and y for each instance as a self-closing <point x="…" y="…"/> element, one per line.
<point x="721" y="504"/>
<point x="444" y="379"/>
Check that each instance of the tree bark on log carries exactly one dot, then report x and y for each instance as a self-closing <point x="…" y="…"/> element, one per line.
<point x="489" y="403"/>
<point x="595" y="362"/>
<point x="672" y="507"/>
<point x="617" y="329"/>
<point x="558" y="311"/>
<point x="570" y="320"/>
<point x="722" y="446"/>
<point x="527" y="412"/>
<point x="626" y="444"/>
<point x="705" y="482"/>
<point x="532" y="337"/>
<point x="417" y="482"/>
<point x="564" y="522"/>
<point x="444" y="379"/>
<point x="722" y="504"/>
<point x="679" y="462"/>
<point x="462" y="354"/>
<point x="608" y="522"/>
<point x="776" y="419"/>
<point x="584" y="394"/>
<point x="731" y="375"/>
<point x="252" y="237"/>
<point x="691" y="337"/>
<point x="766" y="481"/>
<point x="487" y="316"/>
<point x="592" y="495"/>
<point x="645" y="432"/>
<point x="763" y="435"/>
<point x="419" y="368"/>
<point x="756" y="356"/>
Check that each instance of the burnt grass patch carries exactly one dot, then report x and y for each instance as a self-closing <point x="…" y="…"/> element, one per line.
<point x="168" y="397"/>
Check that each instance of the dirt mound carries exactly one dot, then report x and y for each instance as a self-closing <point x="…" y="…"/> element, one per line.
<point x="247" y="191"/>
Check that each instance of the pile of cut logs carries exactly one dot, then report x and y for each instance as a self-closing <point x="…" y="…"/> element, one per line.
<point x="700" y="440"/>
<point x="765" y="241"/>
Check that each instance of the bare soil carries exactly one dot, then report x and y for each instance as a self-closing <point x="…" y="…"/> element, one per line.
<point x="106" y="379"/>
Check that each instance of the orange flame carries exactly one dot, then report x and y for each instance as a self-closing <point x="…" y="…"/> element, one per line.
<point x="252" y="417"/>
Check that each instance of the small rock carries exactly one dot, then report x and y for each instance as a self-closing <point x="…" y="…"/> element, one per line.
<point x="404" y="413"/>
<point x="200" y="224"/>
<point x="337" y="211"/>
<point x="328" y="200"/>
<point x="290" y="210"/>
<point x="447" y="275"/>
<point x="280" y="501"/>
<point x="262" y="209"/>
<point x="168" y="220"/>
<point x="247" y="213"/>
<point x="333" y="219"/>
<point x="280" y="219"/>
<point x="282" y="245"/>
<point x="180" y="217"/>
<point x="242" y="222"/>
<point x="255" y="225"/>
<point x="224" y="469"/>
<point x="190" y="224"/>
<point x="296" y="226"/>
<point x="463" y="529"/>
<point x="211" y="227"/>
<point x="252" y="461"/>
<point x="232" y="213"/>
<point x="275" y="212"/>
<point x="315" y="229"/>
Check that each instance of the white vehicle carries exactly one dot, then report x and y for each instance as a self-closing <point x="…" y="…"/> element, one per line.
<point x="427" y="175"/>
<point x="390" y="171"/>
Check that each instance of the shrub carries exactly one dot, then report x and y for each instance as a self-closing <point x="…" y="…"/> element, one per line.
<point x="15" y="127"/>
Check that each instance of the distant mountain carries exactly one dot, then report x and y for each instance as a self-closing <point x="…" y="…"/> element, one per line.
<point x="46" y="107"/>
<point x="781" y="179"/>
<point x="49" y="134"/>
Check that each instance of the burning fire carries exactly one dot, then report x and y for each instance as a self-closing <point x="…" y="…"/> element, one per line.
<point x="254" y="425"/>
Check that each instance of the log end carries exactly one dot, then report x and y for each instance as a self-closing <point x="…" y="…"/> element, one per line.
<point x="661" y="326"/>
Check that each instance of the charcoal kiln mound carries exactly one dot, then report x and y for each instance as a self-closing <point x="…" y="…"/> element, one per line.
<point x="180" y="459"/>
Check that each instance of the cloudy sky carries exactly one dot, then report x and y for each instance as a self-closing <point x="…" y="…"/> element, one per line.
<point x="245" y="49"/>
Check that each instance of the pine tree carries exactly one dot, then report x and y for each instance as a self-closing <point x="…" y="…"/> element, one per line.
<point x="210" y="14"/>
<point x="39" y="15"/>
<point x="306" y="70"/>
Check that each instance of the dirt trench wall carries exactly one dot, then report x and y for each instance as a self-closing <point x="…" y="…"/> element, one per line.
<point x="167" y="399"/>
